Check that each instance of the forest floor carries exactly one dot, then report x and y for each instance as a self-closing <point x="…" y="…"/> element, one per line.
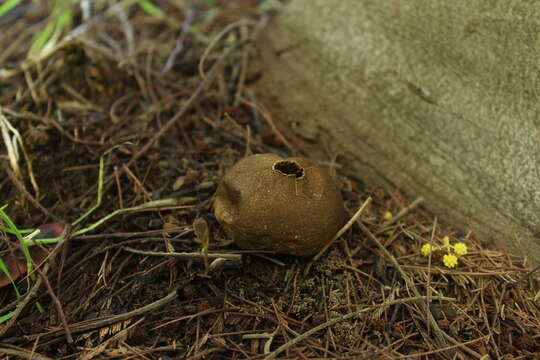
<point x="167" y="102"/>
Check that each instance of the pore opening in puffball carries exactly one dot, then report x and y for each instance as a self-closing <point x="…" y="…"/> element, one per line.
<point x="289" y="168"/>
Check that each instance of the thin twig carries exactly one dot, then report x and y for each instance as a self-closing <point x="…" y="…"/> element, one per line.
<point x="243" y="68"/>
<point x="463" y="346"/>
<point x="428" y="282"/>
<point x="344" y="228"/>
<point x="58" y="305"/>
<point x="266" y="116"/>
<point x="190" y="16"/>
<point x="186" y="255"/>
<point x="457" y="345"/>
<point x="23" y="354"/>
<point x="216" y="39"/>
<point x="334" y="321"/>
<point x="95" y="324"/>
<point x="408" y="281"/>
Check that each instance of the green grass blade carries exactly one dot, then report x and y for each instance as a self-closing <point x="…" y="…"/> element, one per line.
<point x="60" y="18"/>
<point x="40" y="308"/>
<point x="29" y="240"/>
<point x="6" y="317"/>
<point x="19" y="237"/>
<point x="11" y="226"/>
<point x="22" y="231"/>
<point x="151" y="9"/>
<point x="43" y="241"/>
<point x="41" y="38"/>
<point x="7" y="6"/>
<point x="5" y="270"/>
<point x="101" y="176"/>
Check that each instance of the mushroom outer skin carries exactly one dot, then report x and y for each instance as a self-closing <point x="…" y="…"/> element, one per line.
<point x="288" y="206"/>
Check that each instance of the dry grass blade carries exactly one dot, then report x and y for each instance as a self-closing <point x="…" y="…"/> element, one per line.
<point x="13" y="143"/>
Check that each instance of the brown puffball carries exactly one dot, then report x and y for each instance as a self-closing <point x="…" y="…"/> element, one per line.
<point x="289" y="206"/>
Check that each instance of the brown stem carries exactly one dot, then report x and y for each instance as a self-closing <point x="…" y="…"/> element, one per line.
<point x="58" y="305"/>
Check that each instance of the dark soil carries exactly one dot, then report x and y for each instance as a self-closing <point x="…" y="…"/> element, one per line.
<point x="122" y="291"/>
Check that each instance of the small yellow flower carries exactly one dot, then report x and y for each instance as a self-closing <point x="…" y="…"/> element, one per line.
<point x="450" y="260"/>
<point x="426" y="249"/>
<point x="460" y="248"/>
<point x="388" y="215"/>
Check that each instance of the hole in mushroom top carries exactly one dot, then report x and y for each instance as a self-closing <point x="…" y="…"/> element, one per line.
<point x="289" y="168"/>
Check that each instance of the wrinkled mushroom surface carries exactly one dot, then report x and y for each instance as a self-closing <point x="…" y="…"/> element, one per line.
<point x="289" y="206"/>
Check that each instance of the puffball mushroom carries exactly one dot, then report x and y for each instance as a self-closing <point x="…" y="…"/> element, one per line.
<point x="289" y="206"/>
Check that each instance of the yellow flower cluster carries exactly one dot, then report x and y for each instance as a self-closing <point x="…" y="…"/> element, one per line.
<point x="460" y="248"/>
<point x="450" y="260"/>
<point x="427" y="249"/>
